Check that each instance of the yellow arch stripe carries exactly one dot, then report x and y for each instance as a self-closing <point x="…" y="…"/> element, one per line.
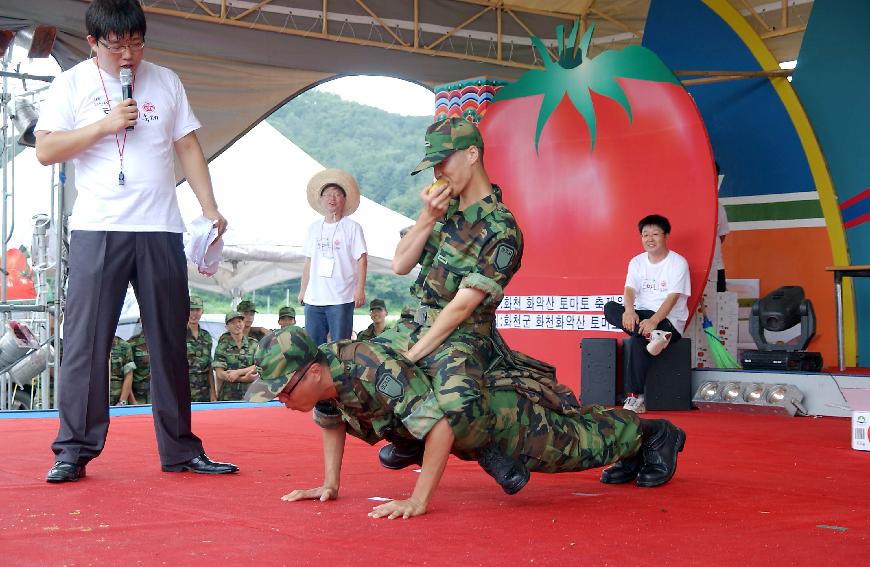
<point x="815" y="159"/>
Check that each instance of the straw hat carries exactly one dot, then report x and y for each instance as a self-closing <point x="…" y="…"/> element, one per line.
<point x="334" y="177"/>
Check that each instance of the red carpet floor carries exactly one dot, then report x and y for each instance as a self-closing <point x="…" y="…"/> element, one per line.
<point x="750" y="490"/>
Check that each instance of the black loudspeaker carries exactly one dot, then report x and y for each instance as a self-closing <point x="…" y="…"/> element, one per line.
<point x="669" y="381"/>
<point x="598" y="372"/>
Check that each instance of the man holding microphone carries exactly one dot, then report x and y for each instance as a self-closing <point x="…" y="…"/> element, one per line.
<point x="125" y="227"/>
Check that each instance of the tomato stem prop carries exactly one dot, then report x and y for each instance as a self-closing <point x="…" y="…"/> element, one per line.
<point x="576" y="74"/>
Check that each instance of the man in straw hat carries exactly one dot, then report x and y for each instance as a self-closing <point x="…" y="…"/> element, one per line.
<point x="334" y="276"/>
<point x="469" y="246"/>
<point x="378" y="392"/>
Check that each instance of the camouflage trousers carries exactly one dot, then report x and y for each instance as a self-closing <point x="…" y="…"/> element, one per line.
<point x="199" y="386"/>
<point x="456" y="369"/>
<point x="115" y="385"/>
<point x="553" y="442"/>
<point x="233" y="391"/>
<point x="142" y="391"/>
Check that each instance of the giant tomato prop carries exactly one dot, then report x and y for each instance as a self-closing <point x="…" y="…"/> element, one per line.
<point x="582" y="151"/>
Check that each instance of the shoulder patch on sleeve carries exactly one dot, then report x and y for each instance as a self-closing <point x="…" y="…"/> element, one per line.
<point x="504" y="254"/>
<point x="389" y="386"/>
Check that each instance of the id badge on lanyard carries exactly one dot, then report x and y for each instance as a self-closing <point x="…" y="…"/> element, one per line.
<point x="325" y="266"/>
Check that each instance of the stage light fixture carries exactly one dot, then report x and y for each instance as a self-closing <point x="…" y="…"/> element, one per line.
<point x="24" y="116"/>
<point x="731" y="392"/>
<point x="753" y="393"/>
<point x="708" y="391"/>
<point x="753" y="397"/>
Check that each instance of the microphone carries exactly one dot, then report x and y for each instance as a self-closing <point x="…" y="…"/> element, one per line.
<point x="126" y="86"/>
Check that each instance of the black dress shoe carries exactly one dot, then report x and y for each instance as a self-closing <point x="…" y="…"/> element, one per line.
<point x="400" y="454"/>
<point x="662" y="441"/>
<point x="511" y="474"/>
<point x="624" y="471"/>
<point x="65" y="472"/>
<point x="202" y="465"/>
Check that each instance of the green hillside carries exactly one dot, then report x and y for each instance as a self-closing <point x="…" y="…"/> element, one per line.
<point x="378" y="148"/>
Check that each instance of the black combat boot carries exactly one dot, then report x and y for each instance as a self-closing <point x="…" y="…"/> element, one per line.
<point x="511" y="474"/>
<point x="662" y="441"/>
<point x="624" y="471"/>
<point x="401" y="453"/>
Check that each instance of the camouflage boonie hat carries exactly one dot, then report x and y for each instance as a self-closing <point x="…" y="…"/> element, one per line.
<point x="377" y="304"/>
<point x="279" y="356"/>
<point x="445" y="137"/>
<point x="408" y="312"/>
<point x="246" y="305"/>
<point x="233" y="315"/>
<point x="196" y="302"/>
<point x="286" y="311"/>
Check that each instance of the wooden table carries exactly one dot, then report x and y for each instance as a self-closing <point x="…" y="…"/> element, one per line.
<point x="841" y="272"/>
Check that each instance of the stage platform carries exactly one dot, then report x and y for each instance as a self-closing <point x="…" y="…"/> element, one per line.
<point x="749" y="490"/>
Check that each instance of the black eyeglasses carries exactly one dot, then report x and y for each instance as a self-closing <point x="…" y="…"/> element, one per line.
<point x="301" y="373"/>
<point x="118" y="49"/>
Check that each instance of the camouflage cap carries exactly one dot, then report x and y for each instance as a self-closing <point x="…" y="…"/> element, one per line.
<point x="278" y="357"/>
<point x="377" y="304"/>
<point x="286" y="311"/>
<point x="445" y="137"/>
<point x="408" y="312"/>
<point x="246" y="305"/>
<point x="196" y="302"/>
<point x="233" y="315"/>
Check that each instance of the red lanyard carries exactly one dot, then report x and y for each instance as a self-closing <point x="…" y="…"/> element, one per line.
<point x="118" y="143"/>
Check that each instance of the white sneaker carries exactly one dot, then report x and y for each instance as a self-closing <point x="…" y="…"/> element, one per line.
<point x="639" y="404"/>
<point x="635" y="404"/>
<point x="658" y="340"/>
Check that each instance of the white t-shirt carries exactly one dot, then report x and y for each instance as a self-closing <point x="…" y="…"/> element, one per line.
<point x="653" y="283"/>
<point x="334" y="249"/>
<point x="146" y="202"/>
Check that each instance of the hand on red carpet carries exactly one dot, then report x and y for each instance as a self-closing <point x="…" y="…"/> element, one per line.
<point x="322" y="493"/>
<point x="396" y="508"/>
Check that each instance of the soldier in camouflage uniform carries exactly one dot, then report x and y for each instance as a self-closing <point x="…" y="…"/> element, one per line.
<point x="469" y="246"/>
<point x="286" y="316"/>
<point x="121" y="367"/>
<point x="199" y="344"/>
<point x="248" y="310"/>
<point x="378" y="392"/>
<point x="378" y="313"/>
<point x="234" y="359"/>
<point x="408" y="314"/>
<point x="142" y="372"/>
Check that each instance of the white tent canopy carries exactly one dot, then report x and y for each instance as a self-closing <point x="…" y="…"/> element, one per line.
<point x="260" y="185"/>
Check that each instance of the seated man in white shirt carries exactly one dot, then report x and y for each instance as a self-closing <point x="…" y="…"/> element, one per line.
<point x="657" y="289"/>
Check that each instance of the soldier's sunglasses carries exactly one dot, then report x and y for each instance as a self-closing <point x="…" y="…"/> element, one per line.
<point x="300" y="374"/>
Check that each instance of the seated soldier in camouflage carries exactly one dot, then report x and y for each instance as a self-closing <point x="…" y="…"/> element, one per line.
<point x="378" y="313"/>
<point x="286" y="316"/>
<point x="234" y="359"/>
<point x="121" y="367"/>
<point x="377" y="391"/>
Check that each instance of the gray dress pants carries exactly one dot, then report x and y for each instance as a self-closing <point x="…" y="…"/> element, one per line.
<point x="100" y="266"/>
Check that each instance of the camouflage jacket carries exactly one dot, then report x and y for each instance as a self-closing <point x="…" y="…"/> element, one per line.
<point x="140" y="357"/>
<point x="480" y="247"/>
<point x="378" y="392"/>
<point x="199" y="352"/>
<point x="231" y="357"/>
<point x="368" y="333"/>
<point x="120" y="359"/>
